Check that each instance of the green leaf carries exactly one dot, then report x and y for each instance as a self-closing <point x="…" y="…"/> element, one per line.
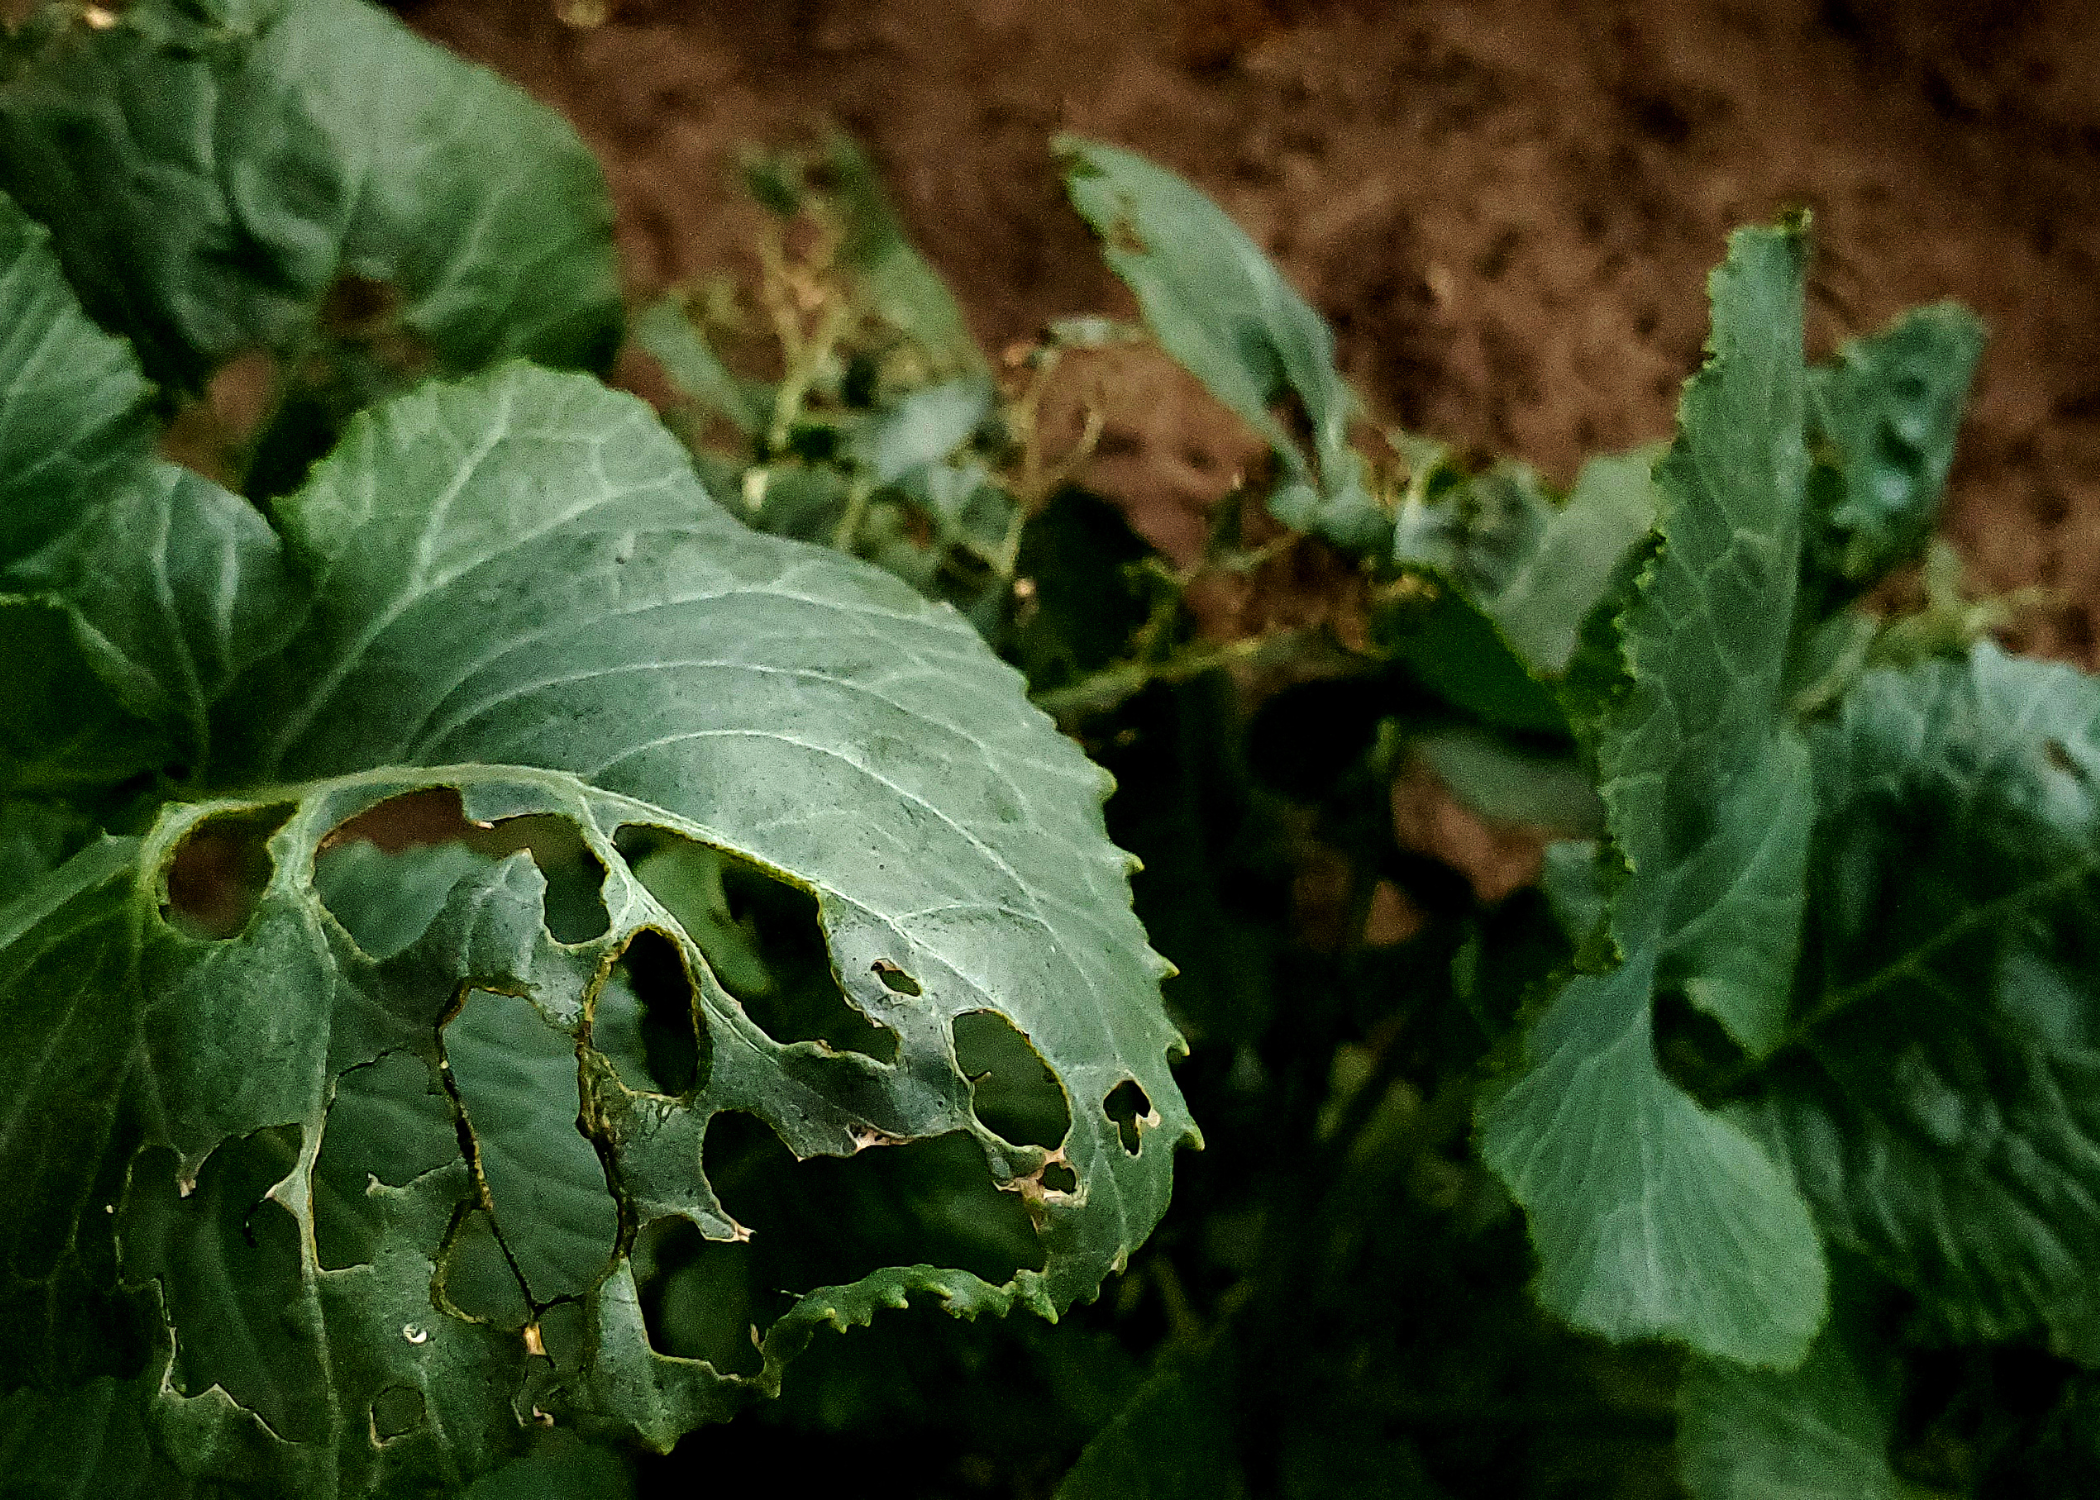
<point x="1940" y="1103"/>
<point x="396" y="1065"/>
<point x="1820" y="1432"/>
<point x="1650" y="1215"/>
<point x="566" y="596"/>
<point x="386" y="901"/>
<point x="562" y="1469"/>
<point x="62" y="733"/>
<point x="1474" y="529"/>
<point x="1883" y="417"/>
<point x="1541" y="605"/>
<point x="669" y="336"/>
<point x="36" y="838"/>
<point x="687" y="879"/>
<point x="85" y="1444"/>
<point x="172" y="588"/>
<point x="1173" y="1440"/>
<point x="1509" y="785"/>
<point x="211" y="179"/>
<point x="894" y="281"/>
<point x="1708" y="788"/>
<point x="1457" y="651"/>
<point x="1218" y="306"/>
<point x="73" y="406"/>
<point x="515" y="1076"/>
<point x="1574" y="887"/>
<point x="921" y="429"/>
<point x="1517" y="577"/>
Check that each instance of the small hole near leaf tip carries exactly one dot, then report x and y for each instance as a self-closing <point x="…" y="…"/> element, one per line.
<point x="895" y="979"/>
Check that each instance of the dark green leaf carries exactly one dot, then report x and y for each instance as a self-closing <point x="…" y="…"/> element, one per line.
<point x="62" y="733"/>
<point x="1820" y="1432"/>
<point x="1174" y="1440"/>
<point x="894" y="280"/>
<point x="1457" y="651"/>
<point x="173" y="587"/>
<point x="1883" y="417"/>
<point x="562" y="1469"/>
<point x="73" y="406"/>
<point x="210" y="180"/>
<point x="37" y="837"/>
<point x="85" y="1444"/>
<point x="1941" y="1107"/>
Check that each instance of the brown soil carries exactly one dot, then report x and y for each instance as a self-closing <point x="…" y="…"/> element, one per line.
<point x="1506" y="208"/>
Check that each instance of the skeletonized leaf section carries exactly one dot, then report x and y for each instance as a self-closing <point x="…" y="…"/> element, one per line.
<point x="496" y="1105"/>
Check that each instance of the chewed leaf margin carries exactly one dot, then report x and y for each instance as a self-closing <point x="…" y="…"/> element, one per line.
<point x="208" y="1049"/>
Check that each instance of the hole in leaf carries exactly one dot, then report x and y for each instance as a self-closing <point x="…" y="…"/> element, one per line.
<point x="761" y="937"/>
<point x="389" y="1120"/>
<point x="575" y="879"/>
<point x="1012" y="1090"/>
<point x="211" y="434"/>
<point x="643" y="1020"/>
<point x="1060" y="1178"/>
<point x="360" y="350"/>
<point x="829" y="1221"/>
<point x="1127" y="1105"/>
<point x="217" y="876"/>
<point x="895" y="980"/>
<point x="395" y="1411"/>
<point x="1693" y="1049"/>
<point x="227" y="1257"/>
<point x="432" y="819"/>
<point x="430" y="816"/>
<point x="696" y="1296"/>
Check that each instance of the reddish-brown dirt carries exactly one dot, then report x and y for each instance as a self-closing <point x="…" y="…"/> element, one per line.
<point x="1506" y="209"/>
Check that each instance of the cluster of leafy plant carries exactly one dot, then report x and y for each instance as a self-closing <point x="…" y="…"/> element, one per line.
<point x="438" y="876"/>
<point x="475" y="904"/>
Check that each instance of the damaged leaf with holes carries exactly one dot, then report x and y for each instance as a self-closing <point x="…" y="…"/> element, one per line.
<point x="547" y="950"/>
